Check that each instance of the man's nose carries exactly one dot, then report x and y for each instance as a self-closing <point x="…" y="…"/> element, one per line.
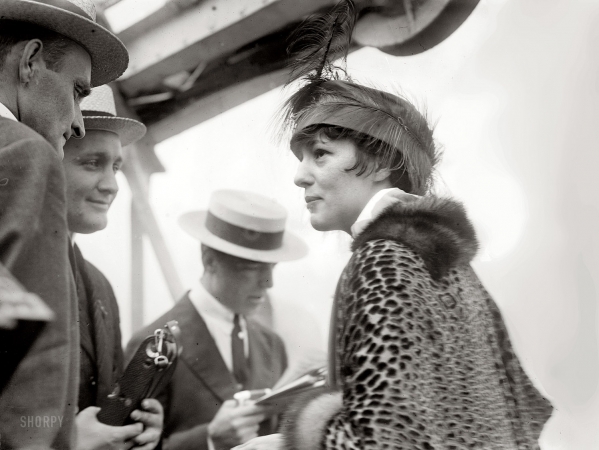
<point x="266" y="277"/>
<point x="109" y="183"/>
<point x="77" y="127"/>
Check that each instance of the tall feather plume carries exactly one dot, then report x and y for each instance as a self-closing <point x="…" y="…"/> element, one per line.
<point x="328" y="89"/>
<point x="314" y="46"/>
<point x="320" y="39"/>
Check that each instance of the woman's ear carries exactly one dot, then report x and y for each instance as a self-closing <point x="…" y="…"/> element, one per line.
<point x="31" y="61"/>
<point x="381" y="174"/>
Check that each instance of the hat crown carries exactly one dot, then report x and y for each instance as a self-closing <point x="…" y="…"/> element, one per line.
<point x="86" y="7"/>
<point x="248" y="210"/>
<point x="101" y="100"/>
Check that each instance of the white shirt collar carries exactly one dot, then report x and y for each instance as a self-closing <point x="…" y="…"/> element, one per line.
<point x="219" y="321"/>
<point x="366" y="213"/>
<point x="207" y="305"/>
<point x="5" y="112"/>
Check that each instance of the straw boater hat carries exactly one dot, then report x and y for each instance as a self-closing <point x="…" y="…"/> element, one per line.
<point x="246" y="225"/>
<point x="99" y="113"/>
<point x="76" y="20"/>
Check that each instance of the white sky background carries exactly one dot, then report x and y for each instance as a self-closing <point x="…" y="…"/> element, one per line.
<point x="514" y="92"/>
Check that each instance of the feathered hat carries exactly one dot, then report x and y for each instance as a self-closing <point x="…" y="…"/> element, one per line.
<point x="330" y="97"/>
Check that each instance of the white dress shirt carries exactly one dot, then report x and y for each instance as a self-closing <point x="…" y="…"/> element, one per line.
<point x="219" y="320"/>
<point x="5" y="112"/>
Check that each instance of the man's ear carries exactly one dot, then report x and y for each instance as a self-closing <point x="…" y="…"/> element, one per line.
<point x="208" y="261"/>
<point x="31" y="61"/>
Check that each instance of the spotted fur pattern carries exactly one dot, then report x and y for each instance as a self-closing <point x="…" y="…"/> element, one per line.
<point x="424" y="362"/>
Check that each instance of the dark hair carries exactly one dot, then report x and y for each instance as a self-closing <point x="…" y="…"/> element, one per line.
<point x="369" y="154"/>
<point x="55" y="45"/>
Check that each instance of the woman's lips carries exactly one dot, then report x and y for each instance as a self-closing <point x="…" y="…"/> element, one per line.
<point x="311" y="201"/>
<point x="100" y="204"/>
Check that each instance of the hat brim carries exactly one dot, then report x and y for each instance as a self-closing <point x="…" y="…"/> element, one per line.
<point x="193" y="223"/>
<point x="109" y="56"/>
<point x="128" y="130"/>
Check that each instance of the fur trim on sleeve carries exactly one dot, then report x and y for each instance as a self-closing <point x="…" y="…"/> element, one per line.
<point x="305" y="422"/>
<point x="437" y="229"/>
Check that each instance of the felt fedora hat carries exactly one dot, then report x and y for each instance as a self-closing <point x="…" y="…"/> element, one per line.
<point x="99" y="113"/>
<point x="246" y="225"/>
<point x="76" y="20"/>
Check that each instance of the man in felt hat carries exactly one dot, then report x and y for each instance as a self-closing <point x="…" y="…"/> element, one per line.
<point x="90" y="167"/>
<point x="51" y="53"/>
<point x="242" y="237"/>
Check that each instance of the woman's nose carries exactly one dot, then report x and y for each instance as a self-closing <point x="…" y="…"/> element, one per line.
<point x="302" y="175"/>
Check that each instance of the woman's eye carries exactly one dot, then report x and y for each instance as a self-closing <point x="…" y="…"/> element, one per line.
<point x="319" y="153"/>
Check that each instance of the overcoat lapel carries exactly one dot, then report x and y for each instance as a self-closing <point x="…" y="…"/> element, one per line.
<point x="200" y="352"/>
<point x="104" y="350"/>
<point x="86" y="340"/>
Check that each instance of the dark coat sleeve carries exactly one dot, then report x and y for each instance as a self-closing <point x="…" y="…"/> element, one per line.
<point x="33" y="247"/>
<point x="26" y="167"/>
<point x="107" y="331"/>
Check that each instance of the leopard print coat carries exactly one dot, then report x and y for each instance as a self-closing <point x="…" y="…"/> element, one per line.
<point x="422" y="357"/>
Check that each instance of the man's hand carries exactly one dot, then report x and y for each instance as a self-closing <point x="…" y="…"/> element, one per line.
<point x="270" y="442"/>
<point x="234" y="425"/>
<point x="152" y="418"/>
<point x="94" y="435"/>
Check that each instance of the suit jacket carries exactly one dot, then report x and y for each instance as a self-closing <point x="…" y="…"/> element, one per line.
<point x="33" y="247"/>
<point x="202" y="381"/>
<point x="100" y="343"/>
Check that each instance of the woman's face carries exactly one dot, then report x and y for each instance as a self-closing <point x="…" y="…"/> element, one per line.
<point x="334" y="196"/>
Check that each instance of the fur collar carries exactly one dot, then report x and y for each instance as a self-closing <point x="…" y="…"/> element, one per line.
<point x="436" y="229"/>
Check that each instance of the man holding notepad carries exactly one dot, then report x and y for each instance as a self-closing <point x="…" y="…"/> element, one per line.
<point x="225" y="351"/>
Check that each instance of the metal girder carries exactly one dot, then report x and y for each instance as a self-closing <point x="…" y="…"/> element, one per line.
<point x="210" y="106"/>
<point x="140" y="162"/>
<point x="105" y="4"/>
<point x="203" y="32"/>
<point x="424" y="25"/>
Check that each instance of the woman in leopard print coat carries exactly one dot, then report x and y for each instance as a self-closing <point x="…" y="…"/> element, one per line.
<point x="422" y="357"/>
<point x="419" y="354"/>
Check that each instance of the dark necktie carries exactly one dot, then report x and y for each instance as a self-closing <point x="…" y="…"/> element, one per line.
<point x="240" y="364"/>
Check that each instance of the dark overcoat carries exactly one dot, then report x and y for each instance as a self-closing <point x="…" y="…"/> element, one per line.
<point x="101" y="350"/>
<point x="202" y="381"/>
<point x="37" y="407"/>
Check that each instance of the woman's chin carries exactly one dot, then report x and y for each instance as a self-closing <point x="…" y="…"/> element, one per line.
<point x="321" y="225"/>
